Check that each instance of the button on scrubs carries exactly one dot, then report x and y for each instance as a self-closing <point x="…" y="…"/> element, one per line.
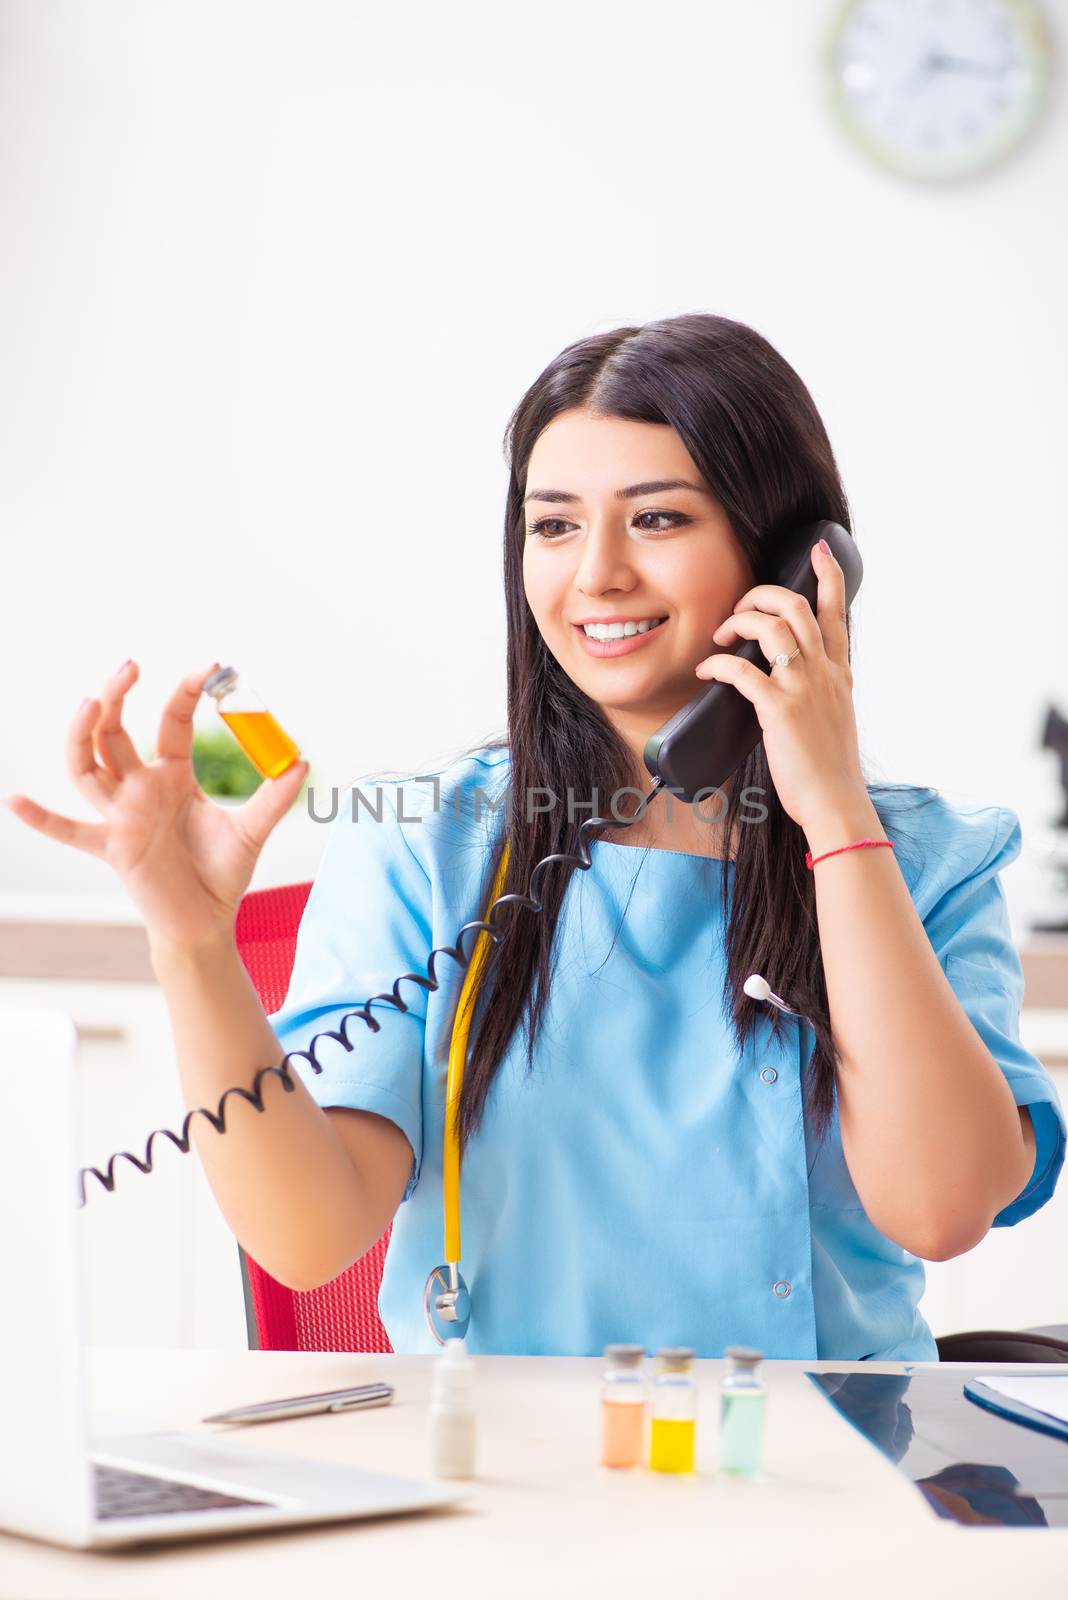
<point x="648" y="1183"/>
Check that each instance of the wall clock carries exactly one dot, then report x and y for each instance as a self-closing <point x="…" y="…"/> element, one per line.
<point x="939" y="89"/>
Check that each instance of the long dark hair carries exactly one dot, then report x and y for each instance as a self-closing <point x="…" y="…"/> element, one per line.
<point x="753" y="431"/>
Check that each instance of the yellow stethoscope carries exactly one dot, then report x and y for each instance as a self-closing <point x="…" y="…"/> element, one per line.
<point x="446" y="1300"/>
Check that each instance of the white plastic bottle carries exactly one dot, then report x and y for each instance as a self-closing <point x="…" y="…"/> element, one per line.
<point x="452" y="1412"/>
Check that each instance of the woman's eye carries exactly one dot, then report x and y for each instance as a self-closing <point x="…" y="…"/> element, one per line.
<point x="541" y="528"/>
<point x="676" y="517"/>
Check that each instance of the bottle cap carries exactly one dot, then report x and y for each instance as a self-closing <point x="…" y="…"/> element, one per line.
<point x="624" y="1355"/>
<point x="675" y="1358"/>
<point x="743" y="1358"/>
<point x="220" y="682"/>
<point x="453" y="1375"/>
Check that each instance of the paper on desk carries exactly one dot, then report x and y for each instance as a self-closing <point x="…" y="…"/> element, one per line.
<point x="1043" y="1393"/>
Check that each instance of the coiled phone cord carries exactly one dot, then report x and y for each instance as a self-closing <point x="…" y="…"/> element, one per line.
<point x="254" y="1096"/>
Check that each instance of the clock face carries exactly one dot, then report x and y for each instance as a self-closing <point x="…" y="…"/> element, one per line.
<point x="939" y="89"/>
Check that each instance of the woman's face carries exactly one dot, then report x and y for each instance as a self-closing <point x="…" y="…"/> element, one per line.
<point x="607" y="540"/>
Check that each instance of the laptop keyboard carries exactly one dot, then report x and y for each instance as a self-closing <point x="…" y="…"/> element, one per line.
<point x="137" y="1494"/>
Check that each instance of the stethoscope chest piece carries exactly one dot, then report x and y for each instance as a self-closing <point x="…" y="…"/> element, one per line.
<point x="447" y="1304"/>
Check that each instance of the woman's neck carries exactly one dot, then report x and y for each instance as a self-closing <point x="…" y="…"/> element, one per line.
<point x="671" y="824"/>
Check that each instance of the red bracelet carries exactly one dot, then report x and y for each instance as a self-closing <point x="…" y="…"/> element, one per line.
<point x="810" y="862"/>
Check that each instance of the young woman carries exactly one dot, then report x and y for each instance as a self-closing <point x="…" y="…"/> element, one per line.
<point x="649" y="1155"/>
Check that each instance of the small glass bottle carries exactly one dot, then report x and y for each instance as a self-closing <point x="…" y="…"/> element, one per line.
<point x="741" y="1412"/>
<point x="452" y="1412"/>
<point x="623" y="1406"/>
<point x="674" y="1415"/>
<point x="271" y="751"/>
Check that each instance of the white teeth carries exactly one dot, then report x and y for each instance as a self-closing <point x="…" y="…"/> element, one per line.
<point x="619" y="630"/>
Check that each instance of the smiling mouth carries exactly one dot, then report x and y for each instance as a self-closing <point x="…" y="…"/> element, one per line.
<point x="615" y="630"/>
<point x="625" y="645"/>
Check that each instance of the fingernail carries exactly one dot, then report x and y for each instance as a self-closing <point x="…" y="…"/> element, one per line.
<point x="825" y="547"/>
<point x="86" y="702"/>
<point x="123" y="666"/>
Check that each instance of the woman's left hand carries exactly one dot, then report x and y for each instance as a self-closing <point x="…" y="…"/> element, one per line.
<point x="806" y="708"/>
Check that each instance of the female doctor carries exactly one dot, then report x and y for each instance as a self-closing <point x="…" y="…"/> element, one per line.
<point x="648" y="1153"/>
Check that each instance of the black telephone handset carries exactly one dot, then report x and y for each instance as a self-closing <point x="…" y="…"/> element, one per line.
<point x="698" y="748"/>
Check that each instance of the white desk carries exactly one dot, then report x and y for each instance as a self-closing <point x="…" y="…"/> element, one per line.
<point x="834" y="1518"/>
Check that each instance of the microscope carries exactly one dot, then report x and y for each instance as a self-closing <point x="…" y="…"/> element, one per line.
<point x="1055" y="738"/>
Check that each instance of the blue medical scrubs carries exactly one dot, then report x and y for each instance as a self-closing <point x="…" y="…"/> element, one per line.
<point x="648" y="1183"/>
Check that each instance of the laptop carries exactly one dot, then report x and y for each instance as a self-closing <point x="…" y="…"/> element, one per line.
<point x="60" y="1480"/>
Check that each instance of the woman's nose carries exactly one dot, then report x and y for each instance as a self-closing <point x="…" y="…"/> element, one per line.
<point x="603" y="563"/>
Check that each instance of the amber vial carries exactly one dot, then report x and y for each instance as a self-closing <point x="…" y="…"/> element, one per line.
<point x="623" y="1406"/>
<point x="269" y="749"/>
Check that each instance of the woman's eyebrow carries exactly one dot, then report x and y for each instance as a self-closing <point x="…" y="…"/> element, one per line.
<point x="633" y="492"/>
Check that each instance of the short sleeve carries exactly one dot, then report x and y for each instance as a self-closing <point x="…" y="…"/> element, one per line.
<point x="968" y="925"/>
<point x="367" y="921"/>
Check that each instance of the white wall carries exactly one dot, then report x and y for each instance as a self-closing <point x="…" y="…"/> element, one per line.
<point x="274" y="274"/>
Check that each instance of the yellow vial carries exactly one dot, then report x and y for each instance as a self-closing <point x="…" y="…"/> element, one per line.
<point x="673" y="1425"/>
<point x="270" y="750"/>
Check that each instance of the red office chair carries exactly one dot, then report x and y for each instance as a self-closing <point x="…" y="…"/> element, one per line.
<point x="342" y="1315"/>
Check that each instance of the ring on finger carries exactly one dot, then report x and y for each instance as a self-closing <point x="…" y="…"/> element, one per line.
<point x="783" y="660"/>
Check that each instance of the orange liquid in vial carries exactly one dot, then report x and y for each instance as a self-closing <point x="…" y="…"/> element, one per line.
<point x="622" y="1424"/>
<point x="269" y="749"/>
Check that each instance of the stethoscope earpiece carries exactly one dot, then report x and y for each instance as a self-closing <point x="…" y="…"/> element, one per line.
<point x="758" y="988"/>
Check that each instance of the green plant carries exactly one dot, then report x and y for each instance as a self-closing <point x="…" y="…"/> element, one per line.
<point x="222" y="768"/>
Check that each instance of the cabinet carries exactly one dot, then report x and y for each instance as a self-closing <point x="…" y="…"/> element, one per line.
<point x="161" y="1265"/>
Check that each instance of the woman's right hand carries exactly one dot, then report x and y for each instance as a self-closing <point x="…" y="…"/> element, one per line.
<point x="185" y="861"/>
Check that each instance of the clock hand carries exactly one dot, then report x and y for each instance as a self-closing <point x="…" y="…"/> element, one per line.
<point x="940" y="61"/>
<point x="922" y="75"/>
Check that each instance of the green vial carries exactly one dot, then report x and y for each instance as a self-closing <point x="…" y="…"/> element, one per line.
<point x="741" y="1412"/>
